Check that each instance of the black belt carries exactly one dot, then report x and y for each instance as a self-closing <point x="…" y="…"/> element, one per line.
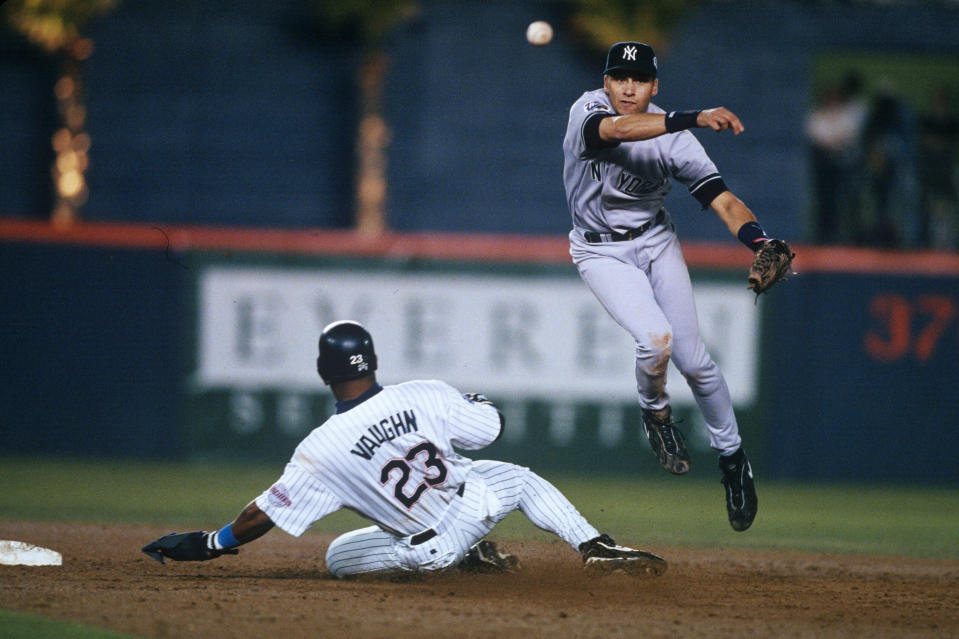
<point x="419" y="538"/>
<point x="429" y="533"/>
<point x="594" y="237"/>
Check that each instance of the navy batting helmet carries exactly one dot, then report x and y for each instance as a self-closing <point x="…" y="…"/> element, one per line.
<point x="346" y="352"/>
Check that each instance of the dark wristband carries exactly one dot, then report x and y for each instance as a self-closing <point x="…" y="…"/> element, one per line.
<point x="752" y="235"/>
<point x="680" y="120"/>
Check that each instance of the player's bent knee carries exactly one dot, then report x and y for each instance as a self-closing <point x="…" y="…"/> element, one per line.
<point x="704" y="377"/>
<point x="657" y="348"/>
<point x="367" y="550"/>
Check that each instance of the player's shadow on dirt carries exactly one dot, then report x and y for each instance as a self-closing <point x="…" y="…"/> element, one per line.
<point x="322" y="575"/>
<point x="306" y="574"/>
<point x="284" y="573"/>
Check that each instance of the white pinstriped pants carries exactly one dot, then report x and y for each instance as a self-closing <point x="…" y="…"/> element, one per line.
<point x="493" y="490"/>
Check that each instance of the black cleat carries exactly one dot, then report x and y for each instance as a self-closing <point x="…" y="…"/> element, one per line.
<point x="667" y="442"/>
<point x="484" y="557"/>
<point x="741" y="500"/>
<point x="601" y="555"/>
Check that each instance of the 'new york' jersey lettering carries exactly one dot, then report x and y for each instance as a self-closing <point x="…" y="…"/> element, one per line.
<point x="614" y="188"/>
<point x="595" y="171"/>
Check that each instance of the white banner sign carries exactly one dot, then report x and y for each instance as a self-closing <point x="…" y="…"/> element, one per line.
<point x="506" y="336"/>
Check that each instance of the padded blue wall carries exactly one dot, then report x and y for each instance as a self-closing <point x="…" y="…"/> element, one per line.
<point x="220" y="113"/>
<point x="91" y="350"/>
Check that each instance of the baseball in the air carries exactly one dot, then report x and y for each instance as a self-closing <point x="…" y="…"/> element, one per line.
<point x="539" y="33"/>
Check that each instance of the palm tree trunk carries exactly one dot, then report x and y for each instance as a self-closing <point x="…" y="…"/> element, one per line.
<point x="372" y="142"/>
<point x="71" y="142"/>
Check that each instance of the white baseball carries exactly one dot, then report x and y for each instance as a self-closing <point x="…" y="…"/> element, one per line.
<point x="539" y="33"/>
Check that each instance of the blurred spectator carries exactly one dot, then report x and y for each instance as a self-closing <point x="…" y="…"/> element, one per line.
<point x="938" y="137"/>
<point x="889" y="145"/>
<point x="834" y="131"/>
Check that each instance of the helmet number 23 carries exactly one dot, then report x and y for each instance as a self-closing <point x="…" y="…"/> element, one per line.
<point x="359" y="362"/>
<point x="401" y="469"/>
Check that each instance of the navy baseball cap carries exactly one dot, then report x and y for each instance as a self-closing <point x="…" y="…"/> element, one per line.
<point x="631" y="56"/>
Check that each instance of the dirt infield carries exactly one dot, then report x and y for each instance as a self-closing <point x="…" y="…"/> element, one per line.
<point x="278" y="587"/>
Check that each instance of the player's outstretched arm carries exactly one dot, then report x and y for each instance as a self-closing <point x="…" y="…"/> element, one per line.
<point x="632" y="128"/>
<point x="732" y="211"/>
<point x="201" y="545"/>
<point x="251" y="524"/>
<point x="645" y="126"/>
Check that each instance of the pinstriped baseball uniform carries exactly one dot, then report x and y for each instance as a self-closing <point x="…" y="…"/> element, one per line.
<point x="643" y="282"/>
<point x="390" y="456"/>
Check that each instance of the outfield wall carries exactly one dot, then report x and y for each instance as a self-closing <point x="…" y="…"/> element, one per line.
<point x="176" y="342"/>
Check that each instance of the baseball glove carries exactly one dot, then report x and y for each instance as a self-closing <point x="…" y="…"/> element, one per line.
<point x="191" y="546"/>
<point x="770" y="265"/>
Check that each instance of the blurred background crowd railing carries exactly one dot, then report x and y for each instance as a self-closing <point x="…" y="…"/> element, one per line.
<point x="884" y="166"/>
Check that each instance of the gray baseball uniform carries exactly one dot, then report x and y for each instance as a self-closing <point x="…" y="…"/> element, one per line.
<point x="643" y="282"/>
<point x="391" y="458"/>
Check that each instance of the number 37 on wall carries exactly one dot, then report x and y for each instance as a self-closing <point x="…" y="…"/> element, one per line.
<point x="901" y="327"/>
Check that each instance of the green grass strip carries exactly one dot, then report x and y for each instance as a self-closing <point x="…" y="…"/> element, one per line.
<point x="17" y="625"/>
<point x="661" y="510"/>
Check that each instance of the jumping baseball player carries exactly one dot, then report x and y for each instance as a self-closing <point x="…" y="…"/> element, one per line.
<point x="621" y="153"/>
<point x="388" y="454"/>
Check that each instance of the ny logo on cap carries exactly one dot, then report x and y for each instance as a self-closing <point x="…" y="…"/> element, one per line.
<point x="629" y="53"/>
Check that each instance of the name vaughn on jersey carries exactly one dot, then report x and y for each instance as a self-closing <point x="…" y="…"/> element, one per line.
<point x="385" y="430"/>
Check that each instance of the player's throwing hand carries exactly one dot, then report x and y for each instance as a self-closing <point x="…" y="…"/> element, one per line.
<point x="720" y="119"/>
